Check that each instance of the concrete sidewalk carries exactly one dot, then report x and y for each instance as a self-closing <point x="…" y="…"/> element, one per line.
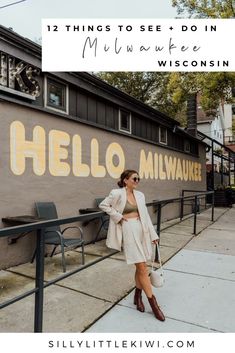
<point x="198" y="295"/>
<point x="200" y="282"/>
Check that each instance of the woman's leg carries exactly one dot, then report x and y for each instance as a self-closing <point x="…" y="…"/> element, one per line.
<point x="137" y="282"/>
<point x="142" y="278"/>
<point x="138" y="294"/>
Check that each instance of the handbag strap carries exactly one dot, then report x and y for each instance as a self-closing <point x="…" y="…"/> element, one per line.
<point x="159" y="258"/>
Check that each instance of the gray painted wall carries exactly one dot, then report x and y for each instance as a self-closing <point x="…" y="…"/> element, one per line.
<point x="19" y="192"/>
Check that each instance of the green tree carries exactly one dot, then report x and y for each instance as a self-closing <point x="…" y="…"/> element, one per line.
<point x="168" y="91"/>
<point x="205" y="8"/>
<point x="214" y="88"/>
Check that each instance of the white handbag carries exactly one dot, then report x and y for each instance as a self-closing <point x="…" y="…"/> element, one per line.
<point x="156" y="277"/>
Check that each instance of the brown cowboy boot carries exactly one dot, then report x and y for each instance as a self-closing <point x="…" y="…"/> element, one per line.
<point x="156" y="309"/>
<point x="138" y="300"/>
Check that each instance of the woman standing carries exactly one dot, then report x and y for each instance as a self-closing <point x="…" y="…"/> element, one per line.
<point x="130" y="226"/>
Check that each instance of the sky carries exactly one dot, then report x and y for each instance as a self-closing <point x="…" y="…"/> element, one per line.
<point x="25" y="18"/>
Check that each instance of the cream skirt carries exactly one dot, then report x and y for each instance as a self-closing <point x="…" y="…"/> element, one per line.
<point x="134" y="244"/>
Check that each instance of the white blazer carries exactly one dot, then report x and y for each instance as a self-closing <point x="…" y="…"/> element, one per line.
<point x="114" y="205"/>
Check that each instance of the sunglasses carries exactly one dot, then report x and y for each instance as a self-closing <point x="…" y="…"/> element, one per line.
<point x="136" y="179"/>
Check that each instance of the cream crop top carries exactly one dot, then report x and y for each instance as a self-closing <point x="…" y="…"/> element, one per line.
<point x="130" y="208"/>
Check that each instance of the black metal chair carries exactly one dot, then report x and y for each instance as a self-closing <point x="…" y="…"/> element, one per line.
<point x="104" y="220"/>
<point x="54" y="235"/>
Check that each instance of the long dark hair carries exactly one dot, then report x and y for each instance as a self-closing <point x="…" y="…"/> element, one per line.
<point x="126" y="175"/>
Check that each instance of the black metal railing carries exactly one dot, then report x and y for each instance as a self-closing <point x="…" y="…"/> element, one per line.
<point x="159" y="204"/>
<point x="39" y="228"/>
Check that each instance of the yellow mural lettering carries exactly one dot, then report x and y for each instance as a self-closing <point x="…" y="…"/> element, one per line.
<point x="79" y="168"/>
<point x="199" y="172"/>
<point x="97" y="170"/>
<point x="114" y="149"/>
<point x="170" y="164"/>
<point x="20" y="149"/>
<point x="146" y="165"/>
<point x="168" y="167"/>
<point x="185" y="170"/>
<point x="196" y="171"/>
<point x="179" y="172"/>
<point x="156" y="165"/>
<point x="57" y="139"/>
<point x="162" y="173"/>
<point x="191" y="171"/>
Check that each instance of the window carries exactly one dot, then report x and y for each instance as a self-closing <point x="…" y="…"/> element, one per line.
<point x="124" y="121"/>
<point x="187" y="146"/>
<point x="56" y="95"/>
<point x="162" y="135"/>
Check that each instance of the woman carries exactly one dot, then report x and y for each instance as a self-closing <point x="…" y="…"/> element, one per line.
<point x="130" y="226"/>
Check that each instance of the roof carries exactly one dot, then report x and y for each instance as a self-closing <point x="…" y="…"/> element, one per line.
<point x="34" y="49"/>
<point x="184" y="132"/>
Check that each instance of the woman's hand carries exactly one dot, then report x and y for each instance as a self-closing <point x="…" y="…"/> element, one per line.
<point x="156" y="241"/>
<point x="124" y="219"/>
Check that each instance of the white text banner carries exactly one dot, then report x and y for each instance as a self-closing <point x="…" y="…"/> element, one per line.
<point x="138" y="45"/>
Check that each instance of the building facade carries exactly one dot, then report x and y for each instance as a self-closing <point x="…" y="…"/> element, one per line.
<point x="219" y="128"/>
<point x="66" y="138"/>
